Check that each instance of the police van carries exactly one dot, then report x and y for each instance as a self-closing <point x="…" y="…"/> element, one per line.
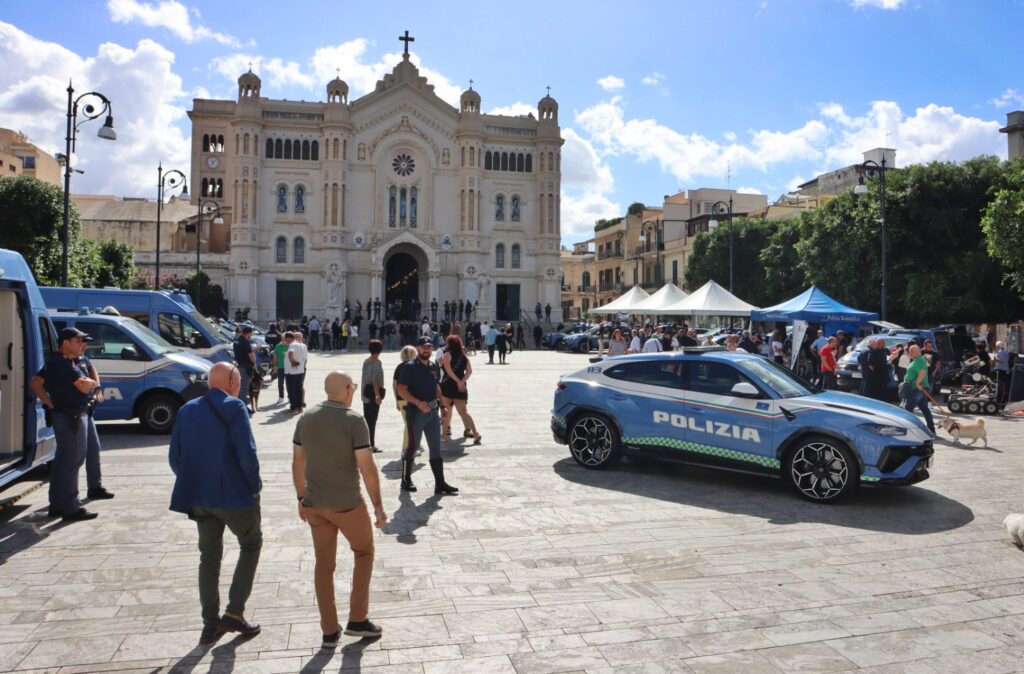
<point x="141" y="374"/>
<point x="740" y="412"/>
<point x="169" y="314"/>
<point x="27" y="339"/>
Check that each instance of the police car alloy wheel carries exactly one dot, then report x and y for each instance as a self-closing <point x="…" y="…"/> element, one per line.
<point x="158" y="413"/>
<point x="594" y="441"/>
<point x="821" y="469"/>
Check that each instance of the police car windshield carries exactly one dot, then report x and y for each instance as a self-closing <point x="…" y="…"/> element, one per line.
<point x="777" y="377"/>
<point x="158" y="344"/>
<point x="205" y="323"/>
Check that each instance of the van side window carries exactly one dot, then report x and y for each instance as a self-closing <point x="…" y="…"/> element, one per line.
<point x="48" y="336"/>
<point x="140" y="316"/>
<point x="108" y="341"/>
<point x="176" y="329"/>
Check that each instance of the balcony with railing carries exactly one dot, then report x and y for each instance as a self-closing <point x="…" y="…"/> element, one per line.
<point x="609" y="287"/>
<point x="648" y="248"/>
<point x="609" y="253"/>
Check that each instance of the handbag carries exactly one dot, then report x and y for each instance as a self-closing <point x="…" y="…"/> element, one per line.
<point x="368" y="391"/>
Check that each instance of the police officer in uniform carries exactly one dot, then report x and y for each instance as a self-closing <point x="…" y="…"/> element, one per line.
<point x="65" y="391"/>
<point x="93" y="476"/>
<point x="418" y="385"/>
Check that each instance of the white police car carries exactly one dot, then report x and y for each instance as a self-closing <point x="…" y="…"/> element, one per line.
<point x="741" y="412"/>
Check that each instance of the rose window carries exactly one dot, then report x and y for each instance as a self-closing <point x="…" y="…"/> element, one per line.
<point x="403" y="165"/>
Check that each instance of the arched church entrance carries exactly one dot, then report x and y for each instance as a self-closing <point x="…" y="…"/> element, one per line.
<point x="402" y="285"/>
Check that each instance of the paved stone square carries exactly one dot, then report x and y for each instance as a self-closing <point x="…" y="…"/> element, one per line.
<point x="539" y="565"/>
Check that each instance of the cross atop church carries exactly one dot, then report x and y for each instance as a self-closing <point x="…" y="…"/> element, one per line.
<point x="549" y="91"/>
<point x="250" y="65"/>
<point x="406" y="39"/>
<point x="471" y="85"/>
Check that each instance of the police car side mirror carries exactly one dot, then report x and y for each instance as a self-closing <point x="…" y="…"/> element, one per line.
<point x="129" y="353"/>
<point x="745" y="390"/>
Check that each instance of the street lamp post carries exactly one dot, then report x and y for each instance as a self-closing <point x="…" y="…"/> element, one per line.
<point x="217" y="220"/>
<point x="89" y="112"/>
<point x="713" y="223"/>
<point x="861" y="188"/>
<point x="172" y="179"/>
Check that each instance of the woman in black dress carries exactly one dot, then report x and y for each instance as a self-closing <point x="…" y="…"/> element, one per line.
<point x="455" y="372"/>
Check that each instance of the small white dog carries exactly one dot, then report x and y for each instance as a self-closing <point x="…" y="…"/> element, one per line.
<point x="1014" y="524"/>
<point x="972" y="430"/>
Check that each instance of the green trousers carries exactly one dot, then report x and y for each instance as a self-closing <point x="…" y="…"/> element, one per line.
<point x="244" y="523"/>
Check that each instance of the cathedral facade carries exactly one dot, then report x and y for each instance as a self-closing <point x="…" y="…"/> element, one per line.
<point x="396" y="195"/>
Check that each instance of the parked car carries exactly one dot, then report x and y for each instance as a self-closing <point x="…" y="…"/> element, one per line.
<point x="553" y="340"/>
<point x="583" y="342"/>
<point x="739" y="412"/>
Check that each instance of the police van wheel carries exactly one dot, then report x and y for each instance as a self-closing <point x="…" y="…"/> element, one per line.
<point x="821" y="469"/>
<point x="158" y="413"/>
<point x="594" y="441"/>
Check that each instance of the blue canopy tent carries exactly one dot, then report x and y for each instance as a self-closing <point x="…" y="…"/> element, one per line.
<point x="813" y="306"/>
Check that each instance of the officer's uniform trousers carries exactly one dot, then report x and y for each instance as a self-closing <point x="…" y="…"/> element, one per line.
<point x="71" y="430"/>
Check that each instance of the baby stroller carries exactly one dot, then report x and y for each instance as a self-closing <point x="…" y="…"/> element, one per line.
<point x="971" y="391"/>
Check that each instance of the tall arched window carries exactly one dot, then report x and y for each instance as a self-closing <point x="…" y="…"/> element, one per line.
<point x="516" y="256"/>
<point x="245" y="144"/>
<point x="472" y="156"/>
<point x="288" y="149"/>
<point x="514" y="215"/>
<point x="314" y="153"/>
<point x="529" y="163"/>
<point x="412" y="207"/>
<point x="220" y="143"/>
<point x="392" y="205"/>
<point x="499" y="256"/>
<point x="586" y="280"/>
<point x="282" y="199"/>
<point x="300" y="199"/>
<point x="499" y="208"/>
<point x="270" y="149"/>
<point x="305" y="150"/>
<point x="206" y="142"/>
<point x="281" y="250"/>
<point x="299" y="251"/>
<point x="520" y="162"/>
<point x="401" y="206"/>
<point x="487" y="160"/>
<point x="220" y="188"/>
<point x="504" y="161"/>
<point x="278" y="151"/>
<point x="205" y="187"/>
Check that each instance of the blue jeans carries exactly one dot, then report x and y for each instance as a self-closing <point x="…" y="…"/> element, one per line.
<point x="71" y="433"/>
<point x="421" y="424"/>
<point x="915" y="398"/>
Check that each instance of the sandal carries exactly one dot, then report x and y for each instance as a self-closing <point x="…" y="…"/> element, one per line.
<point x="467" y="434"/>
<point x="478" y="439"/>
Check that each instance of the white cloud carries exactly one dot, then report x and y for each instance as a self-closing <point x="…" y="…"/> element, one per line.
<point x="516" y="109"/>
<point x="581" y="209"/>
<point x="653" y="79"/>
<point x="730" y="136"/>
<point x="582" y="166"/>
<point x="168" y="14"/>
<point x="748" y="190"/>
<point x="611" y="83"/>
<point x="836" y="139"/>
<point x="880" y="4"/>
<point x="148" y="106"/>
<point x="326" y="63"/>
<point x="1008" y="98"/>
<point x="933" y="133"/>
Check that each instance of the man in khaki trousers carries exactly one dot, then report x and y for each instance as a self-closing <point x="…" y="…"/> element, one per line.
<point x="331" y="449"/>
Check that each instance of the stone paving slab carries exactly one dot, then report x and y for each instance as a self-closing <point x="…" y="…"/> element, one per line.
<point x="539" y="565"/>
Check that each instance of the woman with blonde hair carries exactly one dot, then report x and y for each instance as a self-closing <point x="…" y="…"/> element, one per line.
<point x="455" y="372"/>
<point x="407" y="354"/>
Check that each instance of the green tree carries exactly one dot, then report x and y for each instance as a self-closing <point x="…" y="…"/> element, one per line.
<point x="635" y="208"/>
<point x="116" y="265"/>
<point x="783" y="275"/>
<point x="1003" y="223"/>
<point x="710" y="259"/>
<point x="32" y="212"/>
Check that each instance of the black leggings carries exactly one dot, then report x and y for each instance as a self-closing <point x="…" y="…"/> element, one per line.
<point x="370" y="412"/>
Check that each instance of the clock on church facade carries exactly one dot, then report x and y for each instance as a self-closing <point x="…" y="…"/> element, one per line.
<point x="396" y="195"/>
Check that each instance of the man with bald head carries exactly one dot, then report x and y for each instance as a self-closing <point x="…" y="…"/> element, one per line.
<point x="331" y="450"/>
<point x="915" y="386"/>
<point x="217" y="484"/>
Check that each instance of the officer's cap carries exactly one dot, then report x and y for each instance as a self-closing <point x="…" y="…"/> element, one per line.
<point x="424" y="341"/>
<point x="71" y="333"/>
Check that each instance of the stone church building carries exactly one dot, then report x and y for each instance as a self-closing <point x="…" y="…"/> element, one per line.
<point x="395" y="195"/>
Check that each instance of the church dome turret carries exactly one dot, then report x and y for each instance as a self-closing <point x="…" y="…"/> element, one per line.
<point x="249" y="85"/>
<point x="470" y="101"/>
<point x="337" y="91"/>
<point x="548" y="108"/>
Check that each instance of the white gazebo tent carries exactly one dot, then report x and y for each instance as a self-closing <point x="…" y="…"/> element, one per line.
<point x="627" y="303"/>
<point x="668" y="295"/>
<point x="710" y="299"/>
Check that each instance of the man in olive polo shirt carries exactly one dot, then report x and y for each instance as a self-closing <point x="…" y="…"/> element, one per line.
<point x="331" y="450"/>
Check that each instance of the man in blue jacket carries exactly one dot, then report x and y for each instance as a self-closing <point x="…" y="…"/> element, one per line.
<point x="217" y="484"/>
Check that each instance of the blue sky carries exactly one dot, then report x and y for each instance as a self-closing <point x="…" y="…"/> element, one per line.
<point x="654" y="96"/>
